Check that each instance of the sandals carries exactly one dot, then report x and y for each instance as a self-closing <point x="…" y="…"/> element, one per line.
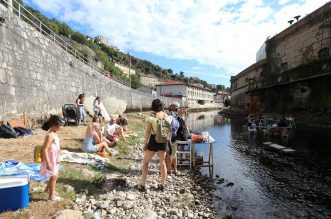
<point x="56" y="199"/>
<point x="141" y="188"/>
<point x="177" y="173"/>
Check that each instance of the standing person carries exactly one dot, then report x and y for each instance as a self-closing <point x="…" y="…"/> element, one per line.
<point x="50" y="155"/>
<point x="80" y="105"/>
<point x="96" y="107"/>
<point x="151" y="147"/>
<point x="178" y="128"/>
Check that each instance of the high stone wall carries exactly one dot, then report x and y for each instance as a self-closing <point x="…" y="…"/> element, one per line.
<point x="37" y="76"/>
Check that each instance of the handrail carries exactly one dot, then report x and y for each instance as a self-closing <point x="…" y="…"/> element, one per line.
<point x="54" y="37"/>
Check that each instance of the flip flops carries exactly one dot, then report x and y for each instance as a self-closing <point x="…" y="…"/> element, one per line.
<point x="56" y="199"/>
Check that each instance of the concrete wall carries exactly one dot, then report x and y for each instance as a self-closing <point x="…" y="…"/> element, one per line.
<point x="301" y="42"/>
<point x="37" y="76"/>
<point x="149" y="80"/>
<point x="293" y="49"/>
<point x="240" y="84"/>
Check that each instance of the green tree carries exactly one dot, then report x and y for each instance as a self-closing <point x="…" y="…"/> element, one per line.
<point x="135" y="81"/>
<point x="78" y="37"/>
<point x="181" y="75"/>
<point x="220" y="87"/>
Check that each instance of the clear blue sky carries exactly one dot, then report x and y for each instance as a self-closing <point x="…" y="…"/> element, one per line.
<point x="212" y="40"/>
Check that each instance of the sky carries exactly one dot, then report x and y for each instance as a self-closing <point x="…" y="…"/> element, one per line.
<point x="209" y="39"/>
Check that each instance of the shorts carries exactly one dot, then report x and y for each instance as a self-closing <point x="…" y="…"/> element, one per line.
<point x="154" y="146"/>
<point x="113" y="138"/>
<point x="89" y="148"/>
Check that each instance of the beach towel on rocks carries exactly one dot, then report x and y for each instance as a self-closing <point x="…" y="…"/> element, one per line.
<point x="16" y="168"/>
<point x="83" y="158"/>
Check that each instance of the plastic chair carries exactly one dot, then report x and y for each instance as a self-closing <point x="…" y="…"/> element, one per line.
<point x="251" y="128"/>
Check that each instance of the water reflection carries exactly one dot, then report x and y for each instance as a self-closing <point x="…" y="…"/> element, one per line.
<point x="199" y="121"/>
<point x="268" y="184"/>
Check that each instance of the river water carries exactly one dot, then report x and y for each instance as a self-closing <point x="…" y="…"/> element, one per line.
<point x="267" y="184"/>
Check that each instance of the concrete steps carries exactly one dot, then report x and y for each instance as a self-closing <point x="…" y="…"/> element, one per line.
<point x="279" y="148"/>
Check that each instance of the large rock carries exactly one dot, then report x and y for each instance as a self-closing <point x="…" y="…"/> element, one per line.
<point x="184" y="200"/>
<point x="149" y="214"/>
<point x="69" y="214"/>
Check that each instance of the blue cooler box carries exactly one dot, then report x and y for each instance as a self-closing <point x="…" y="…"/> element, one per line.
<point x="14" y="192"/>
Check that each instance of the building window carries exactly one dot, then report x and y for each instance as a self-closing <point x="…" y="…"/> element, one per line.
<point x="323" y="53"/>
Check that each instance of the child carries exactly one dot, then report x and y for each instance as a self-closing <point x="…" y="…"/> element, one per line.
<point x="50" y="155"/>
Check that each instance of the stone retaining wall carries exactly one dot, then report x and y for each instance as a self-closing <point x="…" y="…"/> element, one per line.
<point x="37" y="76"/>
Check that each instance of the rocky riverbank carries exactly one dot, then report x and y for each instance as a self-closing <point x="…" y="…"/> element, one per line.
<point x="186" y="196"/>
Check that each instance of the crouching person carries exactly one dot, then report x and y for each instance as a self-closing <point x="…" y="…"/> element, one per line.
<point x="94" y="142"/>
<point x="114" y="131"/>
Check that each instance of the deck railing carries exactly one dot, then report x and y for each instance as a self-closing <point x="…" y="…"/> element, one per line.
<point x="31" y="19"/>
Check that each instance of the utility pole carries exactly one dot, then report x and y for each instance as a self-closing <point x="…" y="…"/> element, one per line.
<point x="129" y="69"/>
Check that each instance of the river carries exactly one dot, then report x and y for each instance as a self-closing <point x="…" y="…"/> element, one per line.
<point x="267" y="184"/>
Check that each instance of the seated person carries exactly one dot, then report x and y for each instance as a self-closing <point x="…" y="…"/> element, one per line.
<point x="122" y="122"/>
<point x="93" y="141"/>
<point x="113" y="131"/>
<point x="250" y="120"/>
<point x="282" y="123"/>
<point x="96" y="119"/>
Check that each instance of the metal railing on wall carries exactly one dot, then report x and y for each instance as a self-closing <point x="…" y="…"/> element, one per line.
<point x="31" y="19"/>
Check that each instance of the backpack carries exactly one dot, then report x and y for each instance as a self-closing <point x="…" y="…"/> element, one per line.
<point x="7" y="131"/>
<point x="163" y="130"/>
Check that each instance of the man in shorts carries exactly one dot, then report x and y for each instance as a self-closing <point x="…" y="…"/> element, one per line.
<point x="113" y="131"/>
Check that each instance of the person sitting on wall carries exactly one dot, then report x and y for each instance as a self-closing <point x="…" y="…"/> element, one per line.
<point x="123" y="122"/>
<point x="114" y="131"/>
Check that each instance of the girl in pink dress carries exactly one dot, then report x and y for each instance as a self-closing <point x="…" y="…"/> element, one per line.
<point x="50" y="155"/>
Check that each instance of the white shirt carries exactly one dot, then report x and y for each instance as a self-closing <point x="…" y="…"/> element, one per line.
<point x="96" y="105"/>
<point x="111" y="128"/>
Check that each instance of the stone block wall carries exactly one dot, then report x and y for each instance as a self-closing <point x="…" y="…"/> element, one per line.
<point x="301" y="42"/>
<point x="37" y="76"/>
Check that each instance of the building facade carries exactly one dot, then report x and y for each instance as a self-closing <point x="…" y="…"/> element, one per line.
<point x="241" y="83"/>
<point x="102" y="40"/>
<point x="126" y="71"/>
<point x="295" y="75"/>
<point x="219" y="97"/>
<point x="149" y="80"/>
<point x="192" y="94"/>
